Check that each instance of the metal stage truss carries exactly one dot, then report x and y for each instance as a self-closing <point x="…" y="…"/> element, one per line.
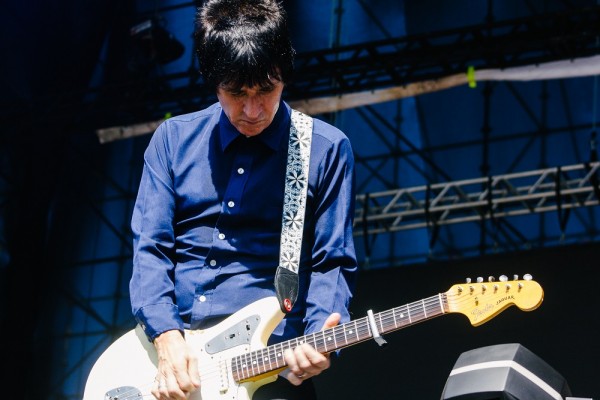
<point x="372" y="65"/>
<point x="542" y="190"/>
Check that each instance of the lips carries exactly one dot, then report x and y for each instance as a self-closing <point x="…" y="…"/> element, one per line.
<point x="257" y="122"/>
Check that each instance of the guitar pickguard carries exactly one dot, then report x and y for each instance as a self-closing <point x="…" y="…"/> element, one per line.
<point x="238" y="334"/>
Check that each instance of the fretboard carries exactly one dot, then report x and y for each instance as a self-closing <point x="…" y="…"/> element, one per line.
<point x="271" y="358"/>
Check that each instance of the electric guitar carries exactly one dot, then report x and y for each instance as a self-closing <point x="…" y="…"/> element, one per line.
<point x="233" y="357"/>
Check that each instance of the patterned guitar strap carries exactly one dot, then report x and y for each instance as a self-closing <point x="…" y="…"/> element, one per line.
<point x="294" y="208"/>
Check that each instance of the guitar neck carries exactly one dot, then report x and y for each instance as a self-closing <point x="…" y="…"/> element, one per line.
<point x="269" y="359"/>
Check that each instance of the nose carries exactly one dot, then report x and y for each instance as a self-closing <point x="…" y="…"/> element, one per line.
<point x="252" y="107"/>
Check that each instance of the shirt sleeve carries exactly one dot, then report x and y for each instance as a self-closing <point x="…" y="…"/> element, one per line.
<point x="151" y="287"/>
<point x="334" y="265"/>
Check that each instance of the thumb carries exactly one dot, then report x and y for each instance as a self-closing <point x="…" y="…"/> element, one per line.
<point x="332" y="320"/>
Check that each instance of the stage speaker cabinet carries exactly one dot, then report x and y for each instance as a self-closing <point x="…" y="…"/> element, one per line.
<point x="504" y="372"/>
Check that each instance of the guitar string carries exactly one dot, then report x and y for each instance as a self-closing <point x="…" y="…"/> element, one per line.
<point x="338" y="334"/>
<point x="450" y="300"/>
<point x="362" y="331"/>
<point x="420" y="311"/>
<point x="424" y="309"/>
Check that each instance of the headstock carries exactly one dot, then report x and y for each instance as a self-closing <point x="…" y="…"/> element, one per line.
<point x="481" y="301"/>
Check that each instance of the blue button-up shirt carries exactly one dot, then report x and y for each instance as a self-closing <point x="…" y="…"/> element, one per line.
<point x="207" y="224"/>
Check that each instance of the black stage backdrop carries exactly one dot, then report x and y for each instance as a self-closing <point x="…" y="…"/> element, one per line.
<point x="563" y="332"/>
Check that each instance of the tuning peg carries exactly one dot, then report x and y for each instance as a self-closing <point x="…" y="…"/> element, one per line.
<point x="468" y="280"/>
<point x="503" y="278"/>
<point x="515" y="277"/>
<point x="527" y="277"/>
<point x="479" y="279"/>
<point x="491" y="278"/>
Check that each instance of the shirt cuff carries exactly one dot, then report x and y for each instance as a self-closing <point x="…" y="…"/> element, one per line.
<point x="158" y="318"/>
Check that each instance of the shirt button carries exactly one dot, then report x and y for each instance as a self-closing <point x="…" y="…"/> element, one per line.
<point x="221" y="236"/>
<point x="231" y="203"/>
<point x="202" y="298"/>
<point x="213" y="263"/>
<point x="240" y="171"/>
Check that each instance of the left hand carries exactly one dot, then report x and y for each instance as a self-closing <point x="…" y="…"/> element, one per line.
<point x="304" y="361"/>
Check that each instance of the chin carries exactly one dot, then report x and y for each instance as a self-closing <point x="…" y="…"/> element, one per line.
<point x="251" y="132"/>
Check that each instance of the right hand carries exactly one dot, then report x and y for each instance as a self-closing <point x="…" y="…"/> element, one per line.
<point x="177" y="375"/>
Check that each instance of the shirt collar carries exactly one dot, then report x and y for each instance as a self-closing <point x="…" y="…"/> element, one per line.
<point x="271" y="136"/>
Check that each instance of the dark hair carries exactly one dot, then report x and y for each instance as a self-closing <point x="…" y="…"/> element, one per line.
<point x="243" y="42"/>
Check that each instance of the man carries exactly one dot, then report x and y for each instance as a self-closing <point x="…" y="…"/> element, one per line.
<point x="207" y="221"/>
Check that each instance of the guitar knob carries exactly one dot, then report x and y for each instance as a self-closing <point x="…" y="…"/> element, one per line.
<point x="527" y="277"/>
<point x="516" y="277"/>
<point x="503" y="278"/>
<point x="479" y="279"/>
<point x="468" y="280"/>
<point x="491" y="278"/>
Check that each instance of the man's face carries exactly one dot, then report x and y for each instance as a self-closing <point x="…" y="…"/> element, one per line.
<point x="250" y="109"/>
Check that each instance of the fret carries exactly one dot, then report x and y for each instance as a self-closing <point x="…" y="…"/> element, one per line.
<point x="247" y="365"/>
<point x="312" y="340"/>
<point x="264" y="359"/>
<point x="315" y="343"/>
<point x="416" y="312"/>
<point x="257" y="360"/>
<point x="272" y="358"/>
<point x="253" y="363"/>
<point x="402" y="315"/>
<point x="345" y="336"/>
<point x="368" y="333"/>
<point x="335" y="345"/>
<point x="323" y="338"/>
<point x="359" y="324"/>
<point x="354" y="331"/>
<point x="280" y="355"/>
<point x="390" y="318"/>
<point x="383" y="321"/>
<point x="322" y="341"/>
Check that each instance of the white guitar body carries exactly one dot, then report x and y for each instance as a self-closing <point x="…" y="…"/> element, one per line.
<point x="234" y="359"/>
<point x="127" y="369"/>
